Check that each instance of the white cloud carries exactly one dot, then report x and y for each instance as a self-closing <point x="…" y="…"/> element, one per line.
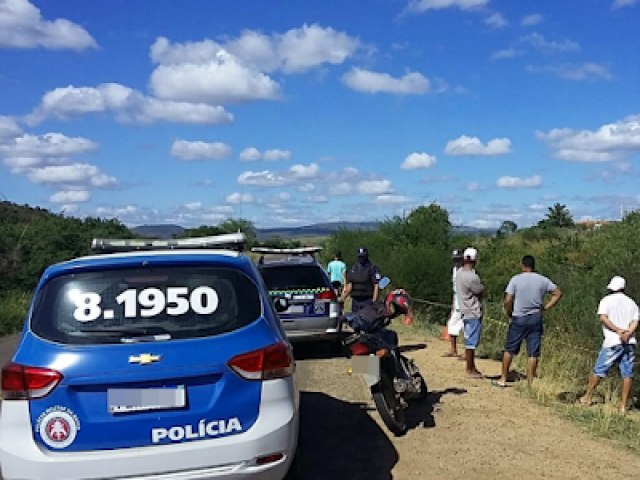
<point x="128" y="213"/>
<point x="418" y="6"/>
<point x="307" y="47"/>
<point x="373" y="82"/>
<point x="22" y="26"/>
<point x="236" y="71"/>
<point x="265" y="178"/>
<point x="27" y="150"/>
<point x="623" y="3"/>
<point x="583" y="71"/>
<point x="474" y="186"/>
<point x="222" y="79"/>
<point x="418" y="160"/>
<point x="307" y="187"/>
<point x="236" y="198"/>
<point x="277" y="154"/>
<point x="496" y="20"/>
<point x="389" y="199"/>
<point x="506" y="53"/>
<point x="305" y="171"/>
<point x="250" y="154"/>
<point x="318" y="199"/>
<point x="609" y="142"/>
<point x="185" y="150"/>
<point x="297" y="174"/>
<point x="532" y="19"/>
<point x="294" y="51"/>
<point x="465" y="145"/>
<point x="373" y="187"/>
<point x="342" y="188"/>
<point x="280" y="197"/>
<point x="77" y="173"/>
<point x="70" y="196"/>
<point x="538" y="42"/>
<point x="253" y="154"/>
<point x="9" y="129"/>
<point x="126" y="104"/>
<point x="193" y="206"/>
<point x="517" y="182"/>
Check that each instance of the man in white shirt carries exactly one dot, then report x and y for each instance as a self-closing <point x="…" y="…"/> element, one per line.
<point x="454" y="324"/>
<point x="619" y="316"/>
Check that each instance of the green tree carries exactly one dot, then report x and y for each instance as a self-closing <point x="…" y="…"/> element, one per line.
<point x="230" y="225"/>
<point x="247" y="227"/>
<point x="557" y="216"/>
<point x="507" y="228"/>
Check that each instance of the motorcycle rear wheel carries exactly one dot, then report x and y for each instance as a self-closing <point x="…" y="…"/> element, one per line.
<point x="424" y="390"/>
<point x="388" y="405"/>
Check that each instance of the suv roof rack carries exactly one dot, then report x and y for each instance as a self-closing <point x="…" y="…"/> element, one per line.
<point x="287" y="251"/>
<point x="228" y="241"/>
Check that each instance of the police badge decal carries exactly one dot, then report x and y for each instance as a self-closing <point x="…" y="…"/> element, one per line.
<point x="58" y="427"/>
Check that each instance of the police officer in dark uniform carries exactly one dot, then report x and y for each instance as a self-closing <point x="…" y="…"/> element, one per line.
<point x="362" y="282"/>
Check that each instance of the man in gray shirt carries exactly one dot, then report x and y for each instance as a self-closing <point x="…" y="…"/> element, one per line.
<point x="470" y="292"/>
<point x="524" y="304"/>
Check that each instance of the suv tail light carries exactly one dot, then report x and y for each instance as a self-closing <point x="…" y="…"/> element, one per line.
<point x="274" y="361"/>
<point x="20" y="382"/>
<point x="327" y="295"/>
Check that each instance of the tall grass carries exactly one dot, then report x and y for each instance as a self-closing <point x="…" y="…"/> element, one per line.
<point x="13" y="308"/>
<point x="565" y="365"/>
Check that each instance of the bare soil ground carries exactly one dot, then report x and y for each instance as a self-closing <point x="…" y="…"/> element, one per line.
<point x="466" y="428"/>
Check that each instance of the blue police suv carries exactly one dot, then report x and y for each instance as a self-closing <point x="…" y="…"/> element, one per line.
<point x="156" y="359"/>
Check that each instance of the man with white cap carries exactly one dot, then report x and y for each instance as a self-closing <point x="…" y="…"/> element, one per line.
<point x="470" y="292"/>
<point x="619" y="316"/>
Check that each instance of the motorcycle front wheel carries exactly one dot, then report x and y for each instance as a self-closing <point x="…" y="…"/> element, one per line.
<point x="388" y="405"/>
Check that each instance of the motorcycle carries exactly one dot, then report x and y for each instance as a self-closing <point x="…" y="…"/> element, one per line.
<point x="374" y="357"/>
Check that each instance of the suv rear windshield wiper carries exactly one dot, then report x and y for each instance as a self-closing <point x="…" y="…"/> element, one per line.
<point x="131" y="334"/>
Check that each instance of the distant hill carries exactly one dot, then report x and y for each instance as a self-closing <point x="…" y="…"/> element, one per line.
<point x="315" y="230"/>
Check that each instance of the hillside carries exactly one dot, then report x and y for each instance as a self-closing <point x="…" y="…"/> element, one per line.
<point x="305" y="231"/>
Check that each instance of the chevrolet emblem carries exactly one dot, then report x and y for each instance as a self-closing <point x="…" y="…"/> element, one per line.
<point x="144" y="359"/>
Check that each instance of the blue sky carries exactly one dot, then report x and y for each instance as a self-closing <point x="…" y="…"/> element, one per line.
<point x="297" y="112"/>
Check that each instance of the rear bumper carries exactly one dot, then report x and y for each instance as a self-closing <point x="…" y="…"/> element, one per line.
<point x="312" y="328"/>
<point x="233" y="457"/>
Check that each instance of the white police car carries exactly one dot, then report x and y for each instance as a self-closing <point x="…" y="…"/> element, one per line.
<point x="156" y="360"/>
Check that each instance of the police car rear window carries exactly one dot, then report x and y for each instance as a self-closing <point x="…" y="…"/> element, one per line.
<point x="145" y="304"/>
<point x="294" y="277"/>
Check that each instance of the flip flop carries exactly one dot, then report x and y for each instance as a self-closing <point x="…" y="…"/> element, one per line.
<point x="476" y="375"/>
<point x="583" y="403"/>
<point x="449" y="354"/>
<point x="499" y="384"/>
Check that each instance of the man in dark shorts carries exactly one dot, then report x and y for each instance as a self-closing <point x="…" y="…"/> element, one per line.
<point x="524" y="304"/>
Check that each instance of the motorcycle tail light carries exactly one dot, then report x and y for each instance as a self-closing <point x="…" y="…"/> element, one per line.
<point x="359" y="349"/>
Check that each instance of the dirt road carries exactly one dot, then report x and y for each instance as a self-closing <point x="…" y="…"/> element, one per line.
<point x="466" y="429"/>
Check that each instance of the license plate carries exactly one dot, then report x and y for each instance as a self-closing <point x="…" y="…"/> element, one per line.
<point x="123" y="400"/>
<point x="365" y="364"/>
<point x="295" y="309"/>
<point x="368" y="366"/>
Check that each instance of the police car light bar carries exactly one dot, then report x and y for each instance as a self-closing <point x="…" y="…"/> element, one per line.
<point x="228" y="241"/>
<point x="287" y="251"/>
